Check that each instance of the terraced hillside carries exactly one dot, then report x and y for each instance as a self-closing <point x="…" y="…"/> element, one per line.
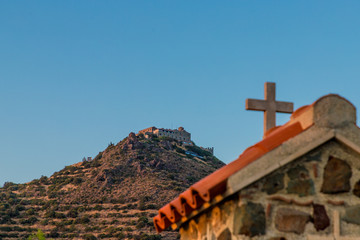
<point x="113" y="196"/>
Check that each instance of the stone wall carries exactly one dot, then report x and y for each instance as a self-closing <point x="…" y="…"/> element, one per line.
<point x="147" y="130"/>
<point x="178" y="134"/>
<point x="314" y="197"/>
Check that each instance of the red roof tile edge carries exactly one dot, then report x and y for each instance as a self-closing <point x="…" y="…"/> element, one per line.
<point x="206" y="189"/>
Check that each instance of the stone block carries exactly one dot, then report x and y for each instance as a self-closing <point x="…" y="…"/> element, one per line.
<point x="291" y="220"/>
<point x="273" y="183"/>
<point x="202" y="225"/>
<point x="337" y="174"/>
<point x="352" y="214"/>
<point x="301" y="187"/>
<point x="333" y="111"/>
<point x="321" y="219"/>
<point x="216" y="219"/>
<point x="227" y="208"/>
<point x="356" y="190"/>
<point x="298" y="172"/>
<point x="300" y="182"/>
<point x="190" y="231"/>
<point x="249" y="219"/>
<point x="225" y="235"/>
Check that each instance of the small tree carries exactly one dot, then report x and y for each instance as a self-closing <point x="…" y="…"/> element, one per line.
<point x="38" y="236"/>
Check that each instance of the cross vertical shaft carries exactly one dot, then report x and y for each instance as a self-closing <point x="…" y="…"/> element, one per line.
<point x="269" y="106"/>
<point x="270" y="113"/>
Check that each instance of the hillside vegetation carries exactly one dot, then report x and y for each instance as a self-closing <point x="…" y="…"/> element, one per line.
<point x="113" y="196"/>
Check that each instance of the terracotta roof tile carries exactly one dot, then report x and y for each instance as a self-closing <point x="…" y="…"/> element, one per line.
<point x="300" y="110"/>
<point x="209" y="187"/>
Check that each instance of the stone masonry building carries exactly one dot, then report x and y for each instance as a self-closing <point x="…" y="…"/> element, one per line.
<point x="179" y="134"/>
<point x="302" y="181"/>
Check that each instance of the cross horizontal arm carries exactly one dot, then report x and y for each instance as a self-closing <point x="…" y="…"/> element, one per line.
<point x="284" y="107"/>
<point x="255" y="104"/>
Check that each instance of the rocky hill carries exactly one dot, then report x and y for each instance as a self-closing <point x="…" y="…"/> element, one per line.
<point x="113" y="196"/>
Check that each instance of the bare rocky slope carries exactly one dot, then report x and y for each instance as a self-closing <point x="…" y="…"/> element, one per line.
<point x="113" y="196"/>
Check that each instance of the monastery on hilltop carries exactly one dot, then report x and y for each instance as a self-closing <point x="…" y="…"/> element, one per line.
<point x="179" y="134"/>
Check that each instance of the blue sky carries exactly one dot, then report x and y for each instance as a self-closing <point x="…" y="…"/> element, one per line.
<point x="76" y="75"/>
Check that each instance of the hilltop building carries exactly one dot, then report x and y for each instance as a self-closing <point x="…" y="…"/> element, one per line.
<point x="179" y="134"/>
<point x="301" y="181"/>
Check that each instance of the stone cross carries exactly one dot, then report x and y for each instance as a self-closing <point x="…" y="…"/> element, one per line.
<point x="270" y="106"/>
<point x="336" y="234"/>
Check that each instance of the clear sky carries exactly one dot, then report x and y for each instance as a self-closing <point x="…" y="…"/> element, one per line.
<point x="76" y="75"/>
